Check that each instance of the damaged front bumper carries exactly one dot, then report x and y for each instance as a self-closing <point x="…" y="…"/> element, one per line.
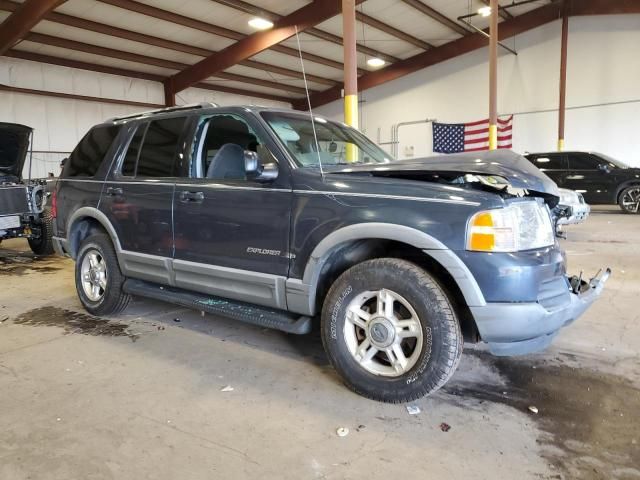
<point x="521" y="328"/>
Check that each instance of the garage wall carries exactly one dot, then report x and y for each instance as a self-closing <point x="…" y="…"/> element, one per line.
<point x="60" y="123"/>
<point x="603" y="91"/>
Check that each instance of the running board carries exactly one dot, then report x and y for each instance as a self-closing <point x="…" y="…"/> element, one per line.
<point x="244" y="312"/>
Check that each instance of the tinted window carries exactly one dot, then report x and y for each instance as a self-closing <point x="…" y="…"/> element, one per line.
<point x="582" y="161"/>
<point x="158" y="154"/>
<point x="549" y="162"/>
<point x="86" y="158"/>
<point x="131" y="157"/>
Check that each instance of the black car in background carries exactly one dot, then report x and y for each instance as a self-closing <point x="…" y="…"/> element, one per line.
<point x="598" y="177"/>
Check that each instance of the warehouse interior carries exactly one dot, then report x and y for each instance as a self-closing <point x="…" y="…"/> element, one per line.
<point x="162" y="390"/>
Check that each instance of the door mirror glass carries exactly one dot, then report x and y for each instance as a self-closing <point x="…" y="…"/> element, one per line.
<point x="603" y="167"/>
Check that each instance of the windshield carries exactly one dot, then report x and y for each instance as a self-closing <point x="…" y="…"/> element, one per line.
<point x="337" y="144"/>
<point x="614" y="163"/>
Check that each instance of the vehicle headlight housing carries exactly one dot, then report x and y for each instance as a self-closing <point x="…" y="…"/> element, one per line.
<point x="568" y="197"/>
<point x="516" y="227"/>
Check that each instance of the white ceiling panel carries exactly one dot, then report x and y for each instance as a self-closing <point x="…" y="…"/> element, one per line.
<point x="90" y="58"/>
<point x="251" y="88"/>
<point x="108" y="41"/>
<point x="273" y="77"/>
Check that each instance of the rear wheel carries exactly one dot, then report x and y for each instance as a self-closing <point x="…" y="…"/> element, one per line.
<point x="43" y="243"/>
<point x="390" y="331"/>
<point x="630" y="199"/>
<point x="98" y="277"/>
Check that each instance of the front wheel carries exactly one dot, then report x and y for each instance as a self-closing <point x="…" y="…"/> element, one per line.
<point x="390" y="331"/>
<point x="630" y="199"/>
<point x="98" y="277"/>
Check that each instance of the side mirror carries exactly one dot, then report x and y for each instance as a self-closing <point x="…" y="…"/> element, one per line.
<point x="258" y="171"/>
<point x="603" y="167"/>
<point x="63" y="161"/>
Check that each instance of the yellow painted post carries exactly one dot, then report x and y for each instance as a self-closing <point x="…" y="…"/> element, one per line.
<point x="350" y="72"/>
<point x="493" y="76"/>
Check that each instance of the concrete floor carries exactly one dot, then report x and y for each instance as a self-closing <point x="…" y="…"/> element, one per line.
<point x="139" y="396"/>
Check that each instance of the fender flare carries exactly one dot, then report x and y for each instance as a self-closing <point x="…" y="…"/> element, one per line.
<point x="301" y="294"/>
<point x="101" y="218"/>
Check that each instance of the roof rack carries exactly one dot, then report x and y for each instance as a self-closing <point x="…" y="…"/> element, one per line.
<point x="190" y="106"/>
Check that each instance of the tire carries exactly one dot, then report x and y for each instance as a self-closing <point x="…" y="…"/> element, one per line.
<point x="110" y="298"/>
<point x="630" y="194"/>
<point x="44" y="244"/>
<point x="431" y="361"/>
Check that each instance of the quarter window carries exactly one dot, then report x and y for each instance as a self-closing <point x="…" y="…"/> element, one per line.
<point x="158" y="155"/>
<point x="86" y="158"/>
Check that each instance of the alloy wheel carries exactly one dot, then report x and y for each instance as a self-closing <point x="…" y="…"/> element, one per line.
<point x="383" y="333"/>
<point x="93" y="272"/>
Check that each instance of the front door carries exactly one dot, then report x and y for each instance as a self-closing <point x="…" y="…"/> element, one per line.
<point x="138" y="195"/>
<point x="586" y="176"/>
<point x="232" y="232"/>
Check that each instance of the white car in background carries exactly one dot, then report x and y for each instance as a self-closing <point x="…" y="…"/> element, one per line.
<point x="579" y="208"/>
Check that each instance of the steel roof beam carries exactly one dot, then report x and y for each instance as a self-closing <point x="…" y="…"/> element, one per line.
<point x="92" y="67"/>
<point x="97" y="27"/>
<point x="22" y="20"/>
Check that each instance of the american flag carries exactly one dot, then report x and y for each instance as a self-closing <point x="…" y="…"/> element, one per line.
<point x="470" y="137"/>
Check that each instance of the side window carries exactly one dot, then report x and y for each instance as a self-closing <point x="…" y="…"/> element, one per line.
<point x="86" y="158"/>
<point x="550" y="162"/>
<point x="222" y="141"/>
<point x="157" y="157"/>
<point x="131" y="157"/>
<point x="582" y="161"/>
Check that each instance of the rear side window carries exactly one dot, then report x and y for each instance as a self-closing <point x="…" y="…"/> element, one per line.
<point x="86" y="158"/>
<point x="158" y="154"/>
<point x="582" y="161"/>
<point x="550" y="162"/>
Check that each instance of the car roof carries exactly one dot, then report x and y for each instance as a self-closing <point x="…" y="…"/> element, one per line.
<point x="204" y="108"/>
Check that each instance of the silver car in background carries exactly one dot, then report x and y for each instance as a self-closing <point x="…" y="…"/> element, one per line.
<point x="579" y="208"/>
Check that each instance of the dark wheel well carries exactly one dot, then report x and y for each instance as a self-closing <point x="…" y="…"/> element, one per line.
<point x="623" y="187"/>
<point x="348" y="254"/>
<point x="82" y="229"/>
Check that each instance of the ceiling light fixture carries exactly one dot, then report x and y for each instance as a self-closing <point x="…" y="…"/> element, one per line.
<point x="260" y="23"/>
<point x="484" y="11"/>
<point x="376" y="62"/>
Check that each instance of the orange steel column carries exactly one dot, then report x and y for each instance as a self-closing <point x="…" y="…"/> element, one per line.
<point x="493" y="76"/>
<point x="563" y="78"/>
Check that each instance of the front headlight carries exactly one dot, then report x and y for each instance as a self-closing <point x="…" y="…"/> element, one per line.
<point x="519" y="226"/>
<point x="568" y="197"/>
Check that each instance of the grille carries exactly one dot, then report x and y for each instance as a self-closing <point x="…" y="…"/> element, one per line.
<point x="13" y="200"/>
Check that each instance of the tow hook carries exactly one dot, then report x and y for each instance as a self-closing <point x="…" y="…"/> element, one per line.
<point x="578" y="285"/>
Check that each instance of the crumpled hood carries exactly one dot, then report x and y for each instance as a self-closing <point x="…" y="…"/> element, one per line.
<point x="14" y="144"/>
<point x="514" y="168"/>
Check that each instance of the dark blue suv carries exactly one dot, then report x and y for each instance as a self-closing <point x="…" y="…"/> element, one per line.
<point x="276" y="218"/>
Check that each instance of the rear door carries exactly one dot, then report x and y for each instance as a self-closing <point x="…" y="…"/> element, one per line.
<point x="554" y="165"/>
<point x="232" y="232"/>
<point x="138" y="197"/>
<point x="586" y="177"/>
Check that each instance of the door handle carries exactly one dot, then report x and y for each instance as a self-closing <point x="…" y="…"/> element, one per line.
<point x="191" y="197"/>
<point x="114" y="191"/>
